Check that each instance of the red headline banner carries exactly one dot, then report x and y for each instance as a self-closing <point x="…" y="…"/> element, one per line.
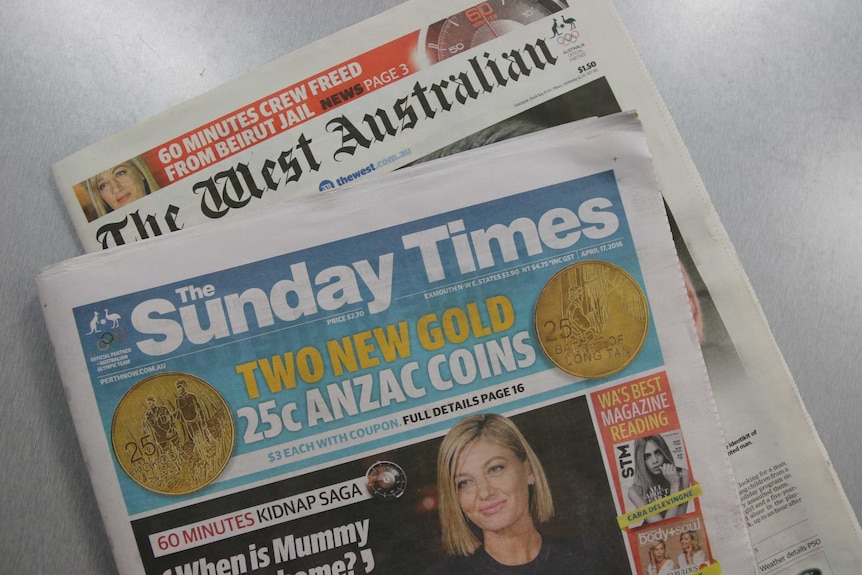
<point x="282" y="110"/>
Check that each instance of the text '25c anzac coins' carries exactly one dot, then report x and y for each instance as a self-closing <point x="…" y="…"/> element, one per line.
<point x="591" y="319"/>
<point x="173" y="433"/>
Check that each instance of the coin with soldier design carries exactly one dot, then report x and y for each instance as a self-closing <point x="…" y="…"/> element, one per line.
<point x="591" y="319"/>
<point x="173" y="433"/>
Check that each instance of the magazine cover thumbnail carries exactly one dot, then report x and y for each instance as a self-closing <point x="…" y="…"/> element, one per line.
<point x="653" y="467"/>
<point x="674" y="548"/>
<point x="646" y="453"/>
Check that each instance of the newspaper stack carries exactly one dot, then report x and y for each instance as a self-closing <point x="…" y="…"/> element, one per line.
<point x="430" y="78"/>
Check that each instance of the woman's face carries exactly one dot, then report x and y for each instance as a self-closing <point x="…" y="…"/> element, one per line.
<point x="493" y="487"/>
<point x="658" y="552"/>
<point x="121" y="185"/>
<point x="685" y="541"/>
<point x="653" y="458"/>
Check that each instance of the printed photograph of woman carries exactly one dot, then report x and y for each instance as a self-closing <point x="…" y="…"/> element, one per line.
<point x="692" y="555"/>
<point x="657" y="476"/>
<point x="659" y="562"/>
<point x="119" y="186"/>
<point x="493" y="497"/>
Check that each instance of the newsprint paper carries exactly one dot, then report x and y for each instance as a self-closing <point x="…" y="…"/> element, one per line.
<point x="442" y="76"/>
<point x="500" y="368"/>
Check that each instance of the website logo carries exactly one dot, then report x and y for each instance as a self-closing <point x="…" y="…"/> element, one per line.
<point x="364" y="171"/>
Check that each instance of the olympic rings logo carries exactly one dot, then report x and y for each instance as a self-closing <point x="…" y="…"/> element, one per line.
<point x="568" y="38"/>
<point x="111" y="338"/>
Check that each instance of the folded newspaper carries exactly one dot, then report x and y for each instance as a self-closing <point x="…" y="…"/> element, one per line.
<point x="436" y="77"/>
<point x="499" y="369"/>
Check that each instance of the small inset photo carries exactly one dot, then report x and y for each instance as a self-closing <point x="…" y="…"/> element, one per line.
<point x="656" y="467"/>
<point x="675" y="547"/>
<point x="115" y="187"/>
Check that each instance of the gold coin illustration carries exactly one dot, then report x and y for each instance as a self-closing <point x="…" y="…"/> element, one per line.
<point x="591" y="319"/>
<point x="173" y="433"/>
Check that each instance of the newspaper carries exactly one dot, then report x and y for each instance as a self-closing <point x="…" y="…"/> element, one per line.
<point x="433" y="77"/>
<point x="280" y="408"/>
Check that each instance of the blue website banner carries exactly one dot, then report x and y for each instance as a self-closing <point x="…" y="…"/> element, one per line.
<point x="338" y="350"/>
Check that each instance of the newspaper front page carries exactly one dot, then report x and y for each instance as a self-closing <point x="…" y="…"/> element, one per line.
<point x="430" y="78"/>
<point x="461" y="382"/>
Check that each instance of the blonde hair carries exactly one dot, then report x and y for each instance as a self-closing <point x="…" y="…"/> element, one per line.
<point x="92" y="185"/>
<point x="652" y="548"/>
<point x="459" y="538"/>
<point x="695" y="540"/>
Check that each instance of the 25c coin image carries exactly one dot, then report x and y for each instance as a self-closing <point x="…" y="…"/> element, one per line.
<point x="173" y="433"/>
<point x="592" y="319"/>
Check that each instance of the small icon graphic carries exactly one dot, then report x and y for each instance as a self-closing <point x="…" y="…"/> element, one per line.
<point x="94" y="324"/>
<point x="555" y="29"/>
<point x="386" y="480"/>
<point x="108" y="335"/>
<point x="97" y="321"/>
<point x="109" y="338"/>
<point x="326" y="185"/>
<point x="562" y="36"/>
<point x="568" y="38"/>
<point x="114" y="318"/>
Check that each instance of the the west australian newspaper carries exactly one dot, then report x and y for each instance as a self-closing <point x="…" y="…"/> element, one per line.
<point x="437" y="77"/>
<point x="506" y="354"/>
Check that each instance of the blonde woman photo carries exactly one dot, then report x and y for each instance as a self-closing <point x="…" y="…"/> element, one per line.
<point x="119" y="186"/>
<point x="659" y="562"/>
<point x="692" y="555"/>
<point x="493" y="498"/>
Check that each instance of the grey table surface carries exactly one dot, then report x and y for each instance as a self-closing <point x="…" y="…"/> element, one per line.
<point x="765" y="93"/>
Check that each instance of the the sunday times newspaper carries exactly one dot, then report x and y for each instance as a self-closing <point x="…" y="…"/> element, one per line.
<point x="455" y="74"/>
<point x="499" y="369"/>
